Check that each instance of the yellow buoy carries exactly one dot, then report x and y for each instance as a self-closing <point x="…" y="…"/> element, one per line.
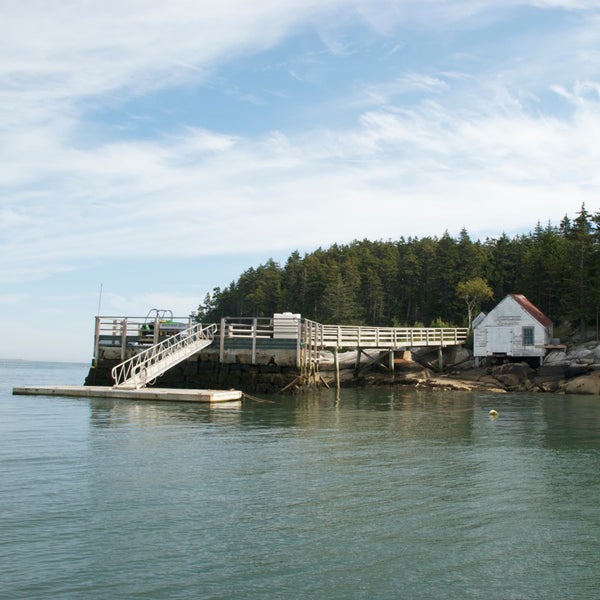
<point x="493" y="413"/>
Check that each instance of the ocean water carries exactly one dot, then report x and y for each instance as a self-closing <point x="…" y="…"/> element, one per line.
<point x="375" y="494"/>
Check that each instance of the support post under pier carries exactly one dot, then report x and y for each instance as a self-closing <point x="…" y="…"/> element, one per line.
<point x="336" y="362"/>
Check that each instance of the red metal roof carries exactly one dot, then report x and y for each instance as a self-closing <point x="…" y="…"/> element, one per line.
<point x="535" y="312"/>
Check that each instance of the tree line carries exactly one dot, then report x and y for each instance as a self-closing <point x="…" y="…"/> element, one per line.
<point x="421" y="281"/>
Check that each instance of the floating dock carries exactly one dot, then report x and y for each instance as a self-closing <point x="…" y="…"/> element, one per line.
<point x="154" y="394"/>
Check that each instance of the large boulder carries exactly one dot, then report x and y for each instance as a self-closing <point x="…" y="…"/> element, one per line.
<point x="514" y="376"/>
<point x="549" y="378"/>
<point x="410" y="372"/>
<point x="586" y="354"/>
<point x="556" y="357"/>
<point x="552" y="372"/>
<point x="596" y="357"/>
<point x="573" y="371"/>
<point x="586" y="384"/>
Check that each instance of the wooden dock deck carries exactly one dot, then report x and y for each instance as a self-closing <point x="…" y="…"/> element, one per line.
<point x="153" y="394"/>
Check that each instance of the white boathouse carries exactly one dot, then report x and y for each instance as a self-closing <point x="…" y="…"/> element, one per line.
<point x="515" y="328"/>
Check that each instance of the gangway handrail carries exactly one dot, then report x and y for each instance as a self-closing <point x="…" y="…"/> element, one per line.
<point x="133" y="371"/>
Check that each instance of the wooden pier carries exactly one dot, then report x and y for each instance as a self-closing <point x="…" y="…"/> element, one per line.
<point x="305" y="338"/>
<point x="285" y="341"/>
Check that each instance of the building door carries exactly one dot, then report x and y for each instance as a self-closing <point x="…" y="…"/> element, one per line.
<point x="499" y="340"/>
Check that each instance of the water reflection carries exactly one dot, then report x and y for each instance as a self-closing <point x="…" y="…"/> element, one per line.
<point x="377" y="494"/>
<point x="572" y="422"/>
<point x="120" y="413"/>
<point x="554" y="421"/>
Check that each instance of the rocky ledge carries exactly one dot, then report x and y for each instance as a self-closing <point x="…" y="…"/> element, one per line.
<point x="575" y="371"/>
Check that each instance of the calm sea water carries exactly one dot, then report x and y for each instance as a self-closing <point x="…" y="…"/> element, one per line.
<point x="380" y="494"/>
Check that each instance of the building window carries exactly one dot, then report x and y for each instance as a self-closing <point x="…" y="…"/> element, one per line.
<point x="528" y="336"/>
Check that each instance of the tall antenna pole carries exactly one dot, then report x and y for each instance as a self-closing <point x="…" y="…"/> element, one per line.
<point x="100" y="300"/>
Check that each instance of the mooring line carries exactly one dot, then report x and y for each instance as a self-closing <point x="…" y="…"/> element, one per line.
<point x="255" y="399"/>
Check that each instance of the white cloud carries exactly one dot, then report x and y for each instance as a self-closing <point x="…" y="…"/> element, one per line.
<point x="409" y="82"/>
<point x="568" y="4"/>
<point x="196" y="191"/>
<point x="204" y="193"/>
<point x="87" y="50"/>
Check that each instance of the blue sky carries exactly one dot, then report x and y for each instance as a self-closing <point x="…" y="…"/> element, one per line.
<point x="160" y="149"/>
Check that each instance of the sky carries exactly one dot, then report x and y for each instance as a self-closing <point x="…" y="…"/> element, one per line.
<point x="156" y="150"/>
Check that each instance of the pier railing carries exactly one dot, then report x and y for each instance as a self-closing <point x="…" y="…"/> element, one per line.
<point x="249" y="328"/>
<point x="125" y="333"/>
<point x="317" y="336"/>
<point x="351" y="336"/>
<point x="309" y="337"/>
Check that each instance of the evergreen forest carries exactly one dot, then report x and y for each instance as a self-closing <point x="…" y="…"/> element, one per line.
<point x="417" y="282"/>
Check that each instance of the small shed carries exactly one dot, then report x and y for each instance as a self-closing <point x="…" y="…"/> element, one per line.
<point x="515" y="327"/>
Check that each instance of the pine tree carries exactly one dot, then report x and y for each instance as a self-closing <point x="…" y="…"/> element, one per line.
<point x="579" y="271"/>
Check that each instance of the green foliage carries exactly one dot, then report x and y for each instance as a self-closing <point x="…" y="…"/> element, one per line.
<point x="414" y="280"/>
<point x="439" y="322"/>
<point x="474" y="292"/>
<point x="563" y="332"/>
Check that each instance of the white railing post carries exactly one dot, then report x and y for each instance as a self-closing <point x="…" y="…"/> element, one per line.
<point x="254" y="325"/>
<point x="306" y="338"/>
<point x="298" y="345"/>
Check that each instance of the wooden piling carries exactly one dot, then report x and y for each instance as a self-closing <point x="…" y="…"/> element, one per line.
<point x="124" y="338"/>
<point x="222" y="341"/>
<point x="336" y="361"/>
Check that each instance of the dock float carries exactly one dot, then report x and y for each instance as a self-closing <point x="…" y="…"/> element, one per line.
<point x="154" y="394"/>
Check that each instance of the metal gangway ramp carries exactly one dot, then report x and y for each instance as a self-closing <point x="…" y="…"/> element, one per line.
<point x="141" y="369"/>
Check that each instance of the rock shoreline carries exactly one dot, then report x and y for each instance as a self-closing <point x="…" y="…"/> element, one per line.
<point x="576" y="371"/>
